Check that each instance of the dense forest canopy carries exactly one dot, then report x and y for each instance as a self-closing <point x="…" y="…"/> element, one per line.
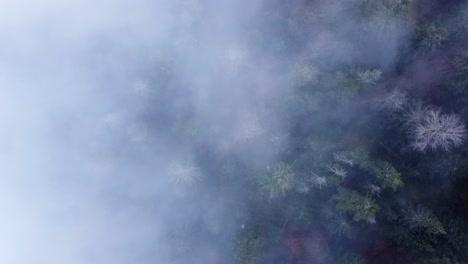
<point x="244" y="132"/>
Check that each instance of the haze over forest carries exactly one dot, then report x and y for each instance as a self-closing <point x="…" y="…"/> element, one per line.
<point x="234" y="131"/>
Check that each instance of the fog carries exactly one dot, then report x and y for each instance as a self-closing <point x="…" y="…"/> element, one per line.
<point x="94" y="101"/>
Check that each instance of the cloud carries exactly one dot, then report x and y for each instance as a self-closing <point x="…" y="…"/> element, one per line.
<point x="98" y="98"/>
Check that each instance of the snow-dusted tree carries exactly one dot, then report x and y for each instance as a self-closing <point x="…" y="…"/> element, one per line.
<point x="369" y="77"/>
<point x="421" y="218"/>
<point x="304" y="73"/>
<point x="185" y="172"/>
<point x="337" y="170"/>
<point x="317" y="181"/>
<point x="394" y="101"/>
<point x="279" y="181"/>
<point x="343" y="157"/>
<point x="429" y="37"/>
<point x="339" y="224"/>
<point x="430" y="129"/>
<point x="374" y="189"/>
<point x="247" y="128"/>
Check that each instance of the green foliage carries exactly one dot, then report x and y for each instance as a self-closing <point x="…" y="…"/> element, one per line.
<point x="425" y="246"/>
<point x="248" y="248"/>
<point x="415" y="242"/>
<point x="387" y="175"/>
<point x="384" y="172"/>
<point x="360" y="207"/>
<point x="429" y="37"/>
<point x="308" y="102"/>
<point x="299" y="211"/>
<point x="457" y="237"/>
<point x="339" y="85"/>
<point x="361" y="158"/>
<point x="335" y="136"/>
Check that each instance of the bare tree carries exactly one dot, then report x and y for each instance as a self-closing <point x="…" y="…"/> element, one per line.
<point x="430" y="129"/>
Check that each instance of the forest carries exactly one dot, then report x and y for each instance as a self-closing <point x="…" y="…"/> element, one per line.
<point x="234" y="132"/>
<point x="356" y="154"/>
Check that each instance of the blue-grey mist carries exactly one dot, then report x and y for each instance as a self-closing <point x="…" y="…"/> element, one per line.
<point x="89" y="95"/>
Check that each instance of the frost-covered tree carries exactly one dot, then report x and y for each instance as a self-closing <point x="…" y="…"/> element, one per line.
<point x="421" y="218"/>
<point x="337" y="170"/>
<point x="279" y="181"/>
<point x="374" y="189"/>
<point x="317" y="181"/>
<point x="430" y="37"/>
<point x="185" y="172"/>
<point x="395" y="100"/>
<point x="369" y="77"/>
<point x="343" y="157"/>
<point x="430" y="129"/>
<point x="247" y="128"/>
<point x="339" y="224"/>
<point x="305" y="73"/>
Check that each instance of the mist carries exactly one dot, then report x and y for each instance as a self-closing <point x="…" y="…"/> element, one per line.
<point x="84" y="166"/>
<point x="136" y="132"/>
